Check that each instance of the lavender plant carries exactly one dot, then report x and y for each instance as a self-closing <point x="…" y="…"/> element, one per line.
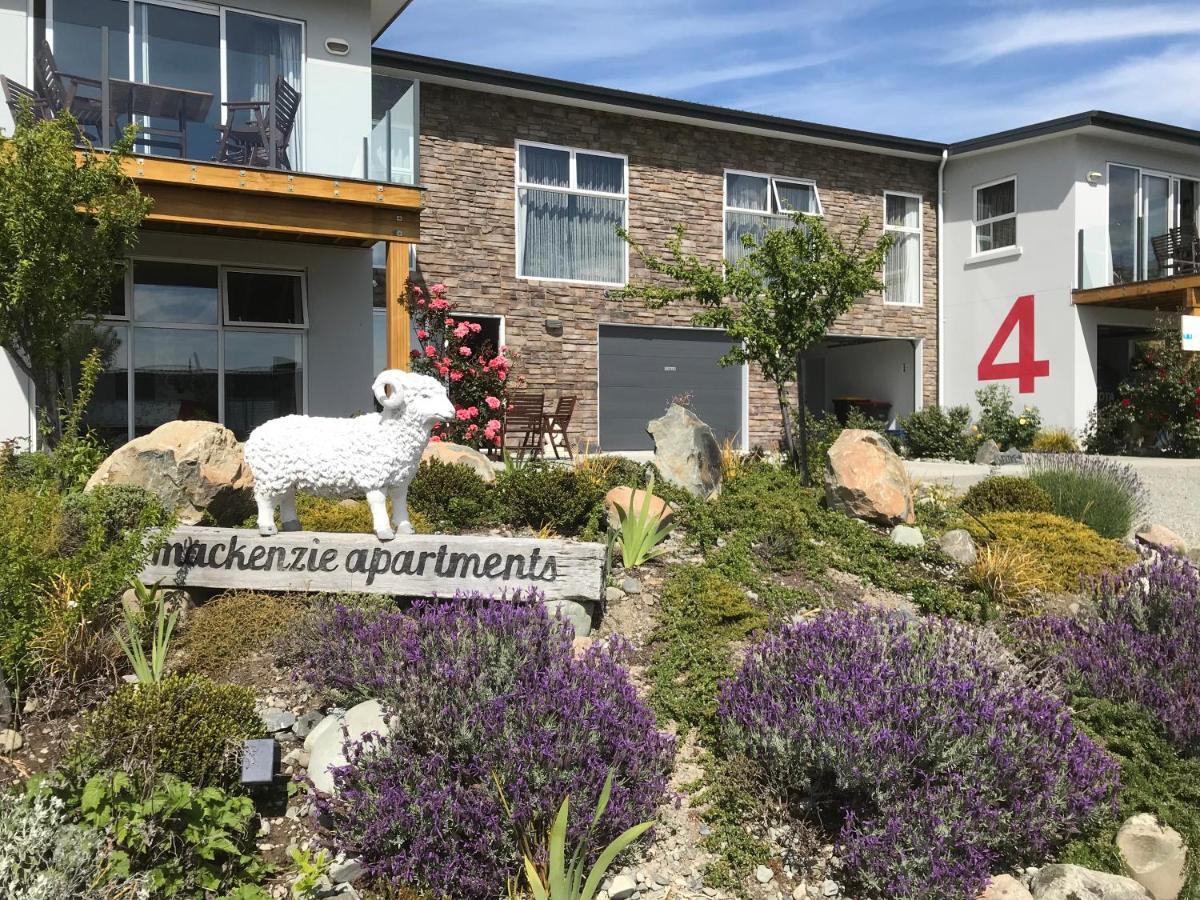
<point x="483" y="693"/>
<point x="1140" y="643"/>
<point x="1103" y="494"/>
<point x="947" y="758"/>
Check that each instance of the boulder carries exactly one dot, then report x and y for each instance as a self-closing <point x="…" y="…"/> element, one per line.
<point x="458" y="455"/>
<point x="908" y="536"/>
<point x="686" y="452"/>
<point x="1161" y="538"/>
<point x="959" y="546"/>
<point x="1067" y="882"/>
<point x="326" y="743"/>
<point x="193" y="467"/>
<point x="1154" y="855"/>
<point x="1005" y="887"/>
<point x="632" y="500"/>
<point x="987" y="453"/>
<point x="1010" y="457"/>
<point x="864" y="478"/>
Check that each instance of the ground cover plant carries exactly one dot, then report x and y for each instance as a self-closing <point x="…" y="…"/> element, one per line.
<point x="1068" y="553"/>
<point x="931" y="744"/>
<point x="1140" y="644"/>
<point x="226" y="630"/>
<point x="1006" y="493"/>
<point x="1105" y="495"/>
<point x="485" y="695"/>
<point x="1054" y="440"/>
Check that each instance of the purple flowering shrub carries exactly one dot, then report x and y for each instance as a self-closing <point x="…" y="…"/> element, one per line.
<point x="1141" y="643"/>
<point x="946" y="757"/>
<point x="482" y="692"/>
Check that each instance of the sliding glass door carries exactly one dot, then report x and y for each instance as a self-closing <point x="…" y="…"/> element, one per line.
<point x="1157" y="219"/>
<point x="259" y="49"/>
<point x="1142" y="206"/>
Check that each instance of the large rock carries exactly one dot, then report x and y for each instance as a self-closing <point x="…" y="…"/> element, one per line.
<point x="632" y="501"/>
<point x="327" y="742"/>
<point x="1005" y="887"/>
<point x="1161" y="538"/>
<point x="1066" y="882"/>
<point x="959" y="546"/>
<point x="864" y="478"/>
<point x="1154" y="855"/>
<point x="686" y="452"/>
<point x="458" y="455"/>
<point x="192" y="466"/>
<point x="987" y="453"/>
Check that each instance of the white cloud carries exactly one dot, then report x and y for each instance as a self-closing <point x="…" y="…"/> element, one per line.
<point x="1037" y="29"/>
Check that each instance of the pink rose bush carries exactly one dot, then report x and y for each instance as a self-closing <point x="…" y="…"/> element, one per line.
<point x="475" y="376"/>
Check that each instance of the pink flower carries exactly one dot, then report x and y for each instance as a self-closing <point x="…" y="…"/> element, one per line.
<point x="413" y="354"/>
<point x="464" y="351"/>
<point x="473" y="411"/>
<point x="492" y="402"/>
<point x="437" y="288"/>
<point x="463" y="329"/>
<point x="455" y="376"/>
<point x="461" y="414"/>
<point x="475" y="327"/>
<point x="422" y="334"/>
<point x="501" y="375"/>
<point x="438" y="304"/>
<point x="434" y="437"/>
<point x="430" y="351"/>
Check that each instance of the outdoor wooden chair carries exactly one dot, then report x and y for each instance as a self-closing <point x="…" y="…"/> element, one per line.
<point x="17" y="95"/>
<point x="60" y="94"/>
<point x="1175" y="251"/>
<point x="525" y="423"/>
<point x="557" y="424"/>
<point x="263" y="140"/>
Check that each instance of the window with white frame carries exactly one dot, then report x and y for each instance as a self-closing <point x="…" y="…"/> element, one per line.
<point x="902" y="268"/>
<point x="569" y="206"/>
<point x="202" y="341"/>
<point x="996" y="215"/>
<point x="756" y="204"/>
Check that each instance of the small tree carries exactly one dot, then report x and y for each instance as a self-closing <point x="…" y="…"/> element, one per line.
<point x="67" y="220"/>
<point x="776" y="302"/>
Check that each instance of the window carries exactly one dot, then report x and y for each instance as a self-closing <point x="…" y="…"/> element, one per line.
<point x="201" y="341"/>
<point x="902" y="268"/>
<point x="755" y="204"/>
<point x="569" y="206"/>
<point x="996" y="216"/>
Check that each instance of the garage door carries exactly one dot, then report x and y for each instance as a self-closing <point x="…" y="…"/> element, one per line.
<point x="643" y="369"/>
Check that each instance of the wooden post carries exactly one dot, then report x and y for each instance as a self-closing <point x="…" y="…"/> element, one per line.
<point x="398" y="341"/>
<point x="1191" y="301"/>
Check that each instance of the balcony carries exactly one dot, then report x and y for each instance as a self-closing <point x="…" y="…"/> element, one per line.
<point x="1138" y="270"/>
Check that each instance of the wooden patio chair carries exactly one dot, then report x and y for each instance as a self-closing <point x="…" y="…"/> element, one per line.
<point x="525" y="422"/>
<point x="60" y="94"/>
<point x="16" y="95"/>
<point x="263" y="140"/>
<point x="1175" y="251"/>
<point x="557" y="424"/>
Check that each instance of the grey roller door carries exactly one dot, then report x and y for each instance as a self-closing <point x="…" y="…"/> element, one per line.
<point x="643" y="369"/>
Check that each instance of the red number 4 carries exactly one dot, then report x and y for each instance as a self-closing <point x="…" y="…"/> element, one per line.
<point x="1026" y="369"/>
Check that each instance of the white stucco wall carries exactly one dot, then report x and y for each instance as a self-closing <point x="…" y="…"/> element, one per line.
<point x="14" y="50"/>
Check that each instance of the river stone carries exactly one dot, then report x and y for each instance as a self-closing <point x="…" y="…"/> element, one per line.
<point x="1154" y="855"/>
<point x="277" y="719"/>
<point x="578" y="614"/>
<point x="632" y="501"/>
<point x="623" y="887"/>
<point x="1005" y="887"/>
<point x="11" y="741"/>
<point x="1162" y="538"/>
<point x="865" y="479"/>
<point x="193" y="467"/>
<point x="987" y="453"/>
<point x="1067" y="882"/>
<point x="686" y="452"/>
<point x="959" y="546"/>
<point x="908" y="536"/>
<point x="326" y="743"/>
<point x="458" y="455"/>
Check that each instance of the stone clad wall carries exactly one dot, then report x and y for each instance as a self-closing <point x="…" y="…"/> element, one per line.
<point x="676" y="171"/>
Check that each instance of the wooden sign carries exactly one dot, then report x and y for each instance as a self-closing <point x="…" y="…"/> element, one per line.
<point x="415" y="565"/>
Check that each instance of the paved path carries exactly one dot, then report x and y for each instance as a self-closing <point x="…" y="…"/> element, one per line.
<point x="1173" y="486"/>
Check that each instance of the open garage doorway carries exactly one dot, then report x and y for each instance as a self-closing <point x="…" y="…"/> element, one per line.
<point x="1116" y="349"/>
<point x="878" y="376"/>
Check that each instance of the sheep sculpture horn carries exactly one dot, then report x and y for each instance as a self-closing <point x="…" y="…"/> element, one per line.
<point x="382" y="383"/>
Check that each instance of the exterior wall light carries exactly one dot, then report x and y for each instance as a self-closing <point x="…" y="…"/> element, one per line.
<point x="337" y="46"/>
<point x="1095" y="177"/>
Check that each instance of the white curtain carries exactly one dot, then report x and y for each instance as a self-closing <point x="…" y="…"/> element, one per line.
<point x="902" y="272"/>
<point x="747" y="192"/>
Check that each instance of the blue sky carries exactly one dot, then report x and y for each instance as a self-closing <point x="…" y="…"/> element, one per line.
<point x="924" y="68"/>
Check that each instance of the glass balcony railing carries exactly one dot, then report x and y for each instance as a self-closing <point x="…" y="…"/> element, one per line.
<point x="1124" y="255"/>
<point x="393" y="149"/>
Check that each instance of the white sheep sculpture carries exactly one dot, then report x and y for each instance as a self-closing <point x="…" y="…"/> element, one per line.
<point x="374" y="455"/>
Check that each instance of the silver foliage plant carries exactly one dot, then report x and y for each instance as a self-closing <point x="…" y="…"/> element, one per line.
<point x="45" y="857"/>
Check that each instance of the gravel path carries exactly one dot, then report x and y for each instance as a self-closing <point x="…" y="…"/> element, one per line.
<point x="1172" y="484"/>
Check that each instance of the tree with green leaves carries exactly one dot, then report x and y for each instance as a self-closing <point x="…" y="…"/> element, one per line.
<point x="68" y="217"/>
<point x="775" y="302"/>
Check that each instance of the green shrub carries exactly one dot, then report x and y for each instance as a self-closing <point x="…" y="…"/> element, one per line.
<point x="1006" y="493"/>
<point x="186" y="726"/>
<point x="185" y="841"/>
<point x="93" y="542"/>
<point x="1155" y="778"/>
<point x="1065" y="549"/>
<point x="939" y="433"/>
<point x="451" y="496"/>
<point x="229" y="629"/>
<point x="609" y="471"/>
<point x="998" y="422"/>
<point x="1106" y="496"/>
<point x="543" y="495"/>
<point x="1054" y="440"/>
<point x="823" y="430"/>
